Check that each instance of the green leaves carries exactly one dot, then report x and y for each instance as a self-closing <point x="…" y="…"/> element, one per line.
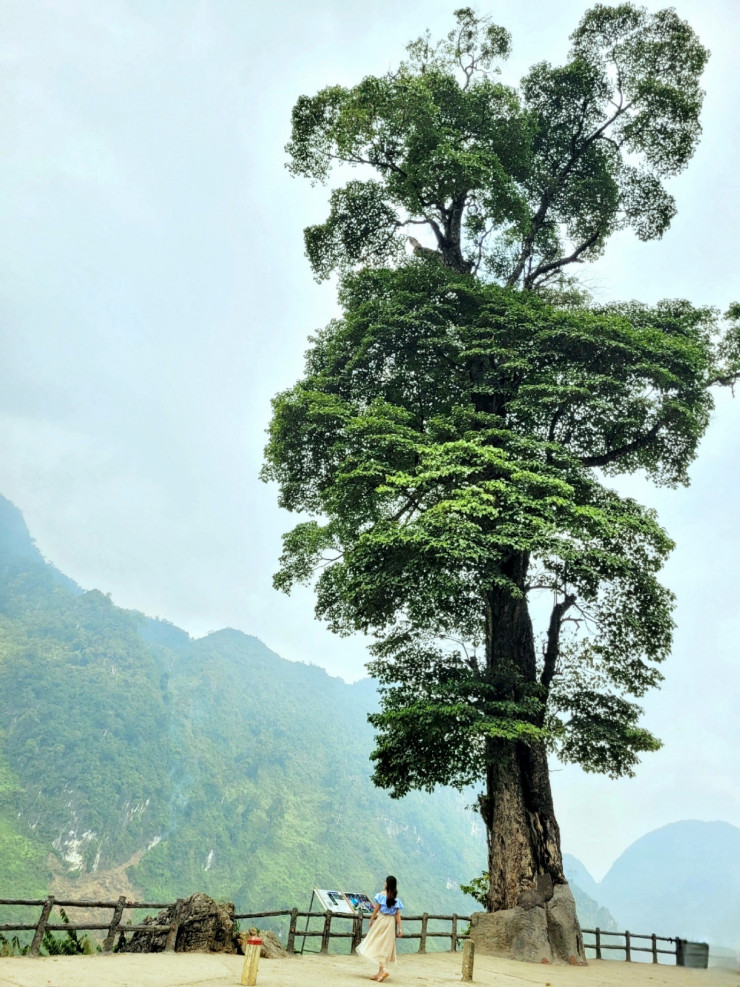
<point x="516" y="184"/>
<point x="453" y="439"/>
<point x="361" y="229"/>
<point x="450" y="440"/>
<point x="656" y="62"/>
<point x="602" y="734"/>
<point x="438" y="714"/>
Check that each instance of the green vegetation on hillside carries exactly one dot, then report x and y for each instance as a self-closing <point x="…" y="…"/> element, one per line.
<point x="216" y="765"/>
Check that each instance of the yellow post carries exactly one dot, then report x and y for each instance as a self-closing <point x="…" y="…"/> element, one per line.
<point x="251" y="961"/>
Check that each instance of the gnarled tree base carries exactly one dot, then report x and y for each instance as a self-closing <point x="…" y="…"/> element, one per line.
<point x="542" y="927"/>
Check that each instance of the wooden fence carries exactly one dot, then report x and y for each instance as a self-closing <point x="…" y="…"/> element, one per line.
<point x="352" y="928"/>
<point x="357" y="930"/>
<point x="113" y="927"/>
<point x="628" y="946"/>
<point x="352" y="924"/>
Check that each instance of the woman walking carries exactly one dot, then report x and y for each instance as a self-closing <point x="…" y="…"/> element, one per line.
<point x="385" y="924"/>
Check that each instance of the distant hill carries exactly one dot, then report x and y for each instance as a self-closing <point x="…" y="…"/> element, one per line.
<point x="679" y="880"/>
<point x="576" y="873"/>
<point x="682" y="879"/>
<point x="130" y="753"/>
<point x="586" y="892"/>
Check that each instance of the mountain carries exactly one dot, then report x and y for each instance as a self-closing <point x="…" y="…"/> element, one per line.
<point x="586" y="892"/>
<point x="681" y="879"/>
<point x="136" y="760"/>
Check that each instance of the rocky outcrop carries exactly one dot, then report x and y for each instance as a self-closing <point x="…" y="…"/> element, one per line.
<point x="271" y="949"/>
<point x="542" y="928"/>
<point x="204" y="926"/>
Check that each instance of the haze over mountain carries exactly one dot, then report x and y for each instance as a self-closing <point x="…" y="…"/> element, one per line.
<point x="179" y="765"/>
<point x="682" y="876"/>
<point x="679" y="880"/>
<point x="134" y="759"/>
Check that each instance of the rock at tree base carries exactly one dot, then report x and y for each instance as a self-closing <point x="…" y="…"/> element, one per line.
<point x="540" y="929"/>
<point x="205" y="926"/>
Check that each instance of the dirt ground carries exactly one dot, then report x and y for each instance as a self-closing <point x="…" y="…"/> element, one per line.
<point x="218" y="970"/>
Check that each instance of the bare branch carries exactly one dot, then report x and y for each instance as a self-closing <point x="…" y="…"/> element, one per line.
<point x="612" y="455"/>
<point x="552" y="651"/>
<point x="557" y="264"/>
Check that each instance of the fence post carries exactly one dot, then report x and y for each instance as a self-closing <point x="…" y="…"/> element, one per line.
<point x="453" y="937"/>
<point x="41" y="927"/>
<point x="327" y="931"/>
<point x="655" y="947"/>
<point x="171" y="941"/>
<point x="628" y="956"/>
<point x="292" y="930"/>
<point x="114" y="923"/>
<point x="356" y="931"/>
<point x="423" y="935"/>
<point x="251" y="961"/>
<point x="598" y="943"/>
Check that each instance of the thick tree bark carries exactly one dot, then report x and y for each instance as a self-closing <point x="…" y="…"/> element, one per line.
<point x="523" y="834"/>
<point x="517" y="807"/>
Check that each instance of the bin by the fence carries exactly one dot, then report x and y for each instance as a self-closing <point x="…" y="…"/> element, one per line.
<point x="692" y="954"/>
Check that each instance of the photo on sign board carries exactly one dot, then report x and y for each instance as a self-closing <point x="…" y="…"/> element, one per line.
<point x="359" y="901"/>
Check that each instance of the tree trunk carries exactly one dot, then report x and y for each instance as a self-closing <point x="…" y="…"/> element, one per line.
<point x="524" y="838"/>
<point x="534" y="915"/>
<point x="523" y="834"/>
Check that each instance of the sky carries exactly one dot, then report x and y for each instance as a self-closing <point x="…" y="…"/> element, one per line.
<point x="154" y="296"/>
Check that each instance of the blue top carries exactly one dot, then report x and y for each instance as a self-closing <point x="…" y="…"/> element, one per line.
<point x="385" y="910"/>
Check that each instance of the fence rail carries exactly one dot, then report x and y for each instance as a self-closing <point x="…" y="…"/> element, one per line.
<point x="115" y="926"/>
<point x="326" y="933"/>
<point x="628" y="947"/>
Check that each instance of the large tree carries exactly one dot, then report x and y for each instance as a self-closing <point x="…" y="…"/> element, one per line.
<point x="455" y="431"/>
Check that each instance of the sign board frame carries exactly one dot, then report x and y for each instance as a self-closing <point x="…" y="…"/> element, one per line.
<point x="334" y="901"/>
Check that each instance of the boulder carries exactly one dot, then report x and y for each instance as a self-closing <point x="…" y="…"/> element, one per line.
<point x="563" y="928"/>
<point x="205" y="926"/>
<point x="272" y="948"/>
<point x="538" y="930"/>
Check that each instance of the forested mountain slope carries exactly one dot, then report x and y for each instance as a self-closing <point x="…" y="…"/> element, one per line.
<point x="212" y="764"/>
<point x="681" y="879"/>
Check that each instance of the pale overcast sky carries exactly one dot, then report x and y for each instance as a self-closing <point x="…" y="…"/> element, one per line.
<point x="154" y="296"/>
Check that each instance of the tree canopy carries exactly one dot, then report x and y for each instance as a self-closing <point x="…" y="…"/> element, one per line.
<point x="455" y="434"/>
<point x="513" y="183"/>
<point x="446" y="426"/>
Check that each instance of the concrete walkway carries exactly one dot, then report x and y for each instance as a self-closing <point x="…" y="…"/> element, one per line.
<point x="219" y="970"/>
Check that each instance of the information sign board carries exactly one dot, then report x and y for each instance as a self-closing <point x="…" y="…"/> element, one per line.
<point x="333" y="901"/>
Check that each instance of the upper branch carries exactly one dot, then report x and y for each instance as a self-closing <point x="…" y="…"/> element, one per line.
<point x="556" y="264"/>
<point x="612" y="455"/>
<point x="552" y="650"/>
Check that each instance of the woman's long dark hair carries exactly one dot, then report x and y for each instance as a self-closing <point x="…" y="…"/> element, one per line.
<point x="391" y="891"/>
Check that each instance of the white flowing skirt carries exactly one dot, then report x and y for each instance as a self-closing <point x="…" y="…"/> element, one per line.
<point x="380" y="942"/>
